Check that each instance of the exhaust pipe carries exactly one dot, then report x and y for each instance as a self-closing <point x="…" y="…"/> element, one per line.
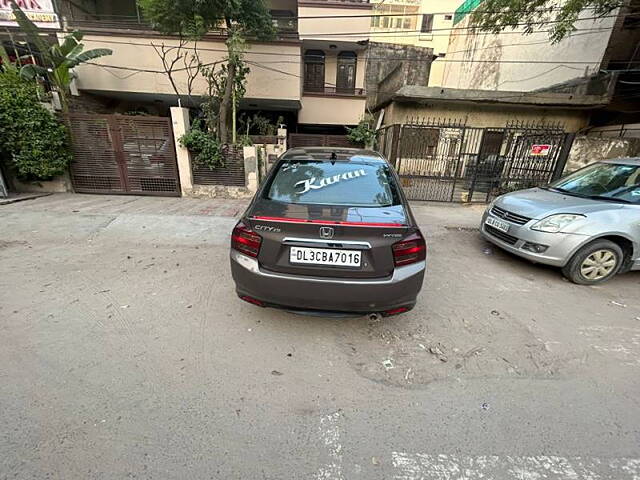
<point x="374" y="317"/>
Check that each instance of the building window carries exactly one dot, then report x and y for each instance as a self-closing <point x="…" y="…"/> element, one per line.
<point x="631" y="20"/>
<point x="346" y="75"/>
<point x="284" y="20"/>
<point x="314" y="71"/>
<point x="427" y="23"/>
<point x="448" y="17"/>
<point x="395" y="17"/>
<point x="631" y="23"/>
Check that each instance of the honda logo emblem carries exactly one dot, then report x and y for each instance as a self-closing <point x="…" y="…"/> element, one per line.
<point x="326" y="232"/>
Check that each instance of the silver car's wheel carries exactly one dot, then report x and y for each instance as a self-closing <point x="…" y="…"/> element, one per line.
<point x="594" y="263"/>
<point x="599" y="265"/>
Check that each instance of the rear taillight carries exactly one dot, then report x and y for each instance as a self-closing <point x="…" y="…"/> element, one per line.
<point x="245" y="240"/>
<point x="409" y="250"/>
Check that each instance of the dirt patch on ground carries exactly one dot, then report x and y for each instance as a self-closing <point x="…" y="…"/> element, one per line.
<point x="5" y="244"/>
<point x="411" y="355"/>
<point x="461" y="228"/>
<point x="484" y="313"/>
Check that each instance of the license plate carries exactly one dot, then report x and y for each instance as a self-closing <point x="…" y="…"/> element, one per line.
<point x="500" y="225"/>
<point x="325" y="256"/>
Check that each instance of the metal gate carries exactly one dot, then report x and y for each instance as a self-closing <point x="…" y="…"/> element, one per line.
<point x="316" y="140"/>
<point x="123" y="154"/>
<point x="4" y="192"/>
<point x="444" y="160"/>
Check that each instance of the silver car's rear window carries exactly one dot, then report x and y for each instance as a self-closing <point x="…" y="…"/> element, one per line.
<point x="352" y="183"/>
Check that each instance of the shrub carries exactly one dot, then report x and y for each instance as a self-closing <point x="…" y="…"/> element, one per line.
<point x="205" y="147"/>
<point x="362" y="134"/>
<point x="32" y="140"/>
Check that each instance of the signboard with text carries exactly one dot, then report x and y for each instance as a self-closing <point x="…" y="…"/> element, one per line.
<point x="40" y="12"/>
<point x="540" y="150"/>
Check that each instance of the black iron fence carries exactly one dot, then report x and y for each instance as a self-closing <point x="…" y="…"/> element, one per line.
<point x="446" y="160"/>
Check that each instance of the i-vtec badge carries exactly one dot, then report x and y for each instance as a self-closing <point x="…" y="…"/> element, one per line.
<point x="266" y="228"/>
<point x="391" y="235"/>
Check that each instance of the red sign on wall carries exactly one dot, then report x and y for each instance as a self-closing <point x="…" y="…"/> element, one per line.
<point x="540" y="150"/>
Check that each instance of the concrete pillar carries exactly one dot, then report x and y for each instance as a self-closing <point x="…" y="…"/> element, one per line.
<point x="251" y="168"/>
<point x="282" y="137"/>
<point x="180" y="122"/>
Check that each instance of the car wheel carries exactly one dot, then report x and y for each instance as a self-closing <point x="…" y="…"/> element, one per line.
<point x="594" y="263"/>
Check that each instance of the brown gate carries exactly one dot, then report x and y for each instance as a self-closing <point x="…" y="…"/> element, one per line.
<point x="316" y="140"/>
<point x="123" y="154"/>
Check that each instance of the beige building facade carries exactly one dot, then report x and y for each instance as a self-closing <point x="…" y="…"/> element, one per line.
<point x="333" y="62"/>
<point x="312" y="74"/>
<point x="137" y="53"/>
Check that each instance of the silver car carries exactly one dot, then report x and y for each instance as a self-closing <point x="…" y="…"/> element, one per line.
<point x="587" y="223"/>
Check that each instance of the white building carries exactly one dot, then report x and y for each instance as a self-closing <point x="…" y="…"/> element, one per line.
<point x="512" y="60"/>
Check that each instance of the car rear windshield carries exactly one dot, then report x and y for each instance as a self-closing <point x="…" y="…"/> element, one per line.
<point x="351" y="183"/>
<point x="609" y="181"/>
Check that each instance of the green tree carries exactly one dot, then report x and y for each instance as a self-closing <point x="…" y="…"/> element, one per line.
<point x="59" y="59"/>
<point x="194" y="18"/>
<point x="32" y="141"/>
<point x="558" y="18"/>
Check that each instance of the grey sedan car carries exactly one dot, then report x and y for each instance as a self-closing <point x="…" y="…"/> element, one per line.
<point x="587" y="223"/>
<point x="329" y="233"/>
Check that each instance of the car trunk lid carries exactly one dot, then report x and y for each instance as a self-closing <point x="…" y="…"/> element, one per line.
<point x="371" y="231"/>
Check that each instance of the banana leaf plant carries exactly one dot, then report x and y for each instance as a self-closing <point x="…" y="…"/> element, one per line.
<point x="58" y="59"/>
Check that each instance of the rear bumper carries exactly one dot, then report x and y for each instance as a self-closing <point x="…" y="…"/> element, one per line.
<point x="327" y="294"/>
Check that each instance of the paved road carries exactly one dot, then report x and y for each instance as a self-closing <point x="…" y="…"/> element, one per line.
<point x="124" y="353"/>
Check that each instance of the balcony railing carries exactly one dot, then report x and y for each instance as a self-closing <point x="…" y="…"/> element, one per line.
<point x="285" y="24"/>
<point x="107" y="22"/>
<point x="285" y="27"/>
<point x="333" y="91"/>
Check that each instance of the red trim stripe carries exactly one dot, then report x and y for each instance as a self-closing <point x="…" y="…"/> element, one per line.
<point x="327" y="222"/>
<point x="395" y="311"/>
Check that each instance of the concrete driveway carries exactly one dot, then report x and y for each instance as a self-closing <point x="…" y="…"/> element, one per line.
<point x="124" y="353"/>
